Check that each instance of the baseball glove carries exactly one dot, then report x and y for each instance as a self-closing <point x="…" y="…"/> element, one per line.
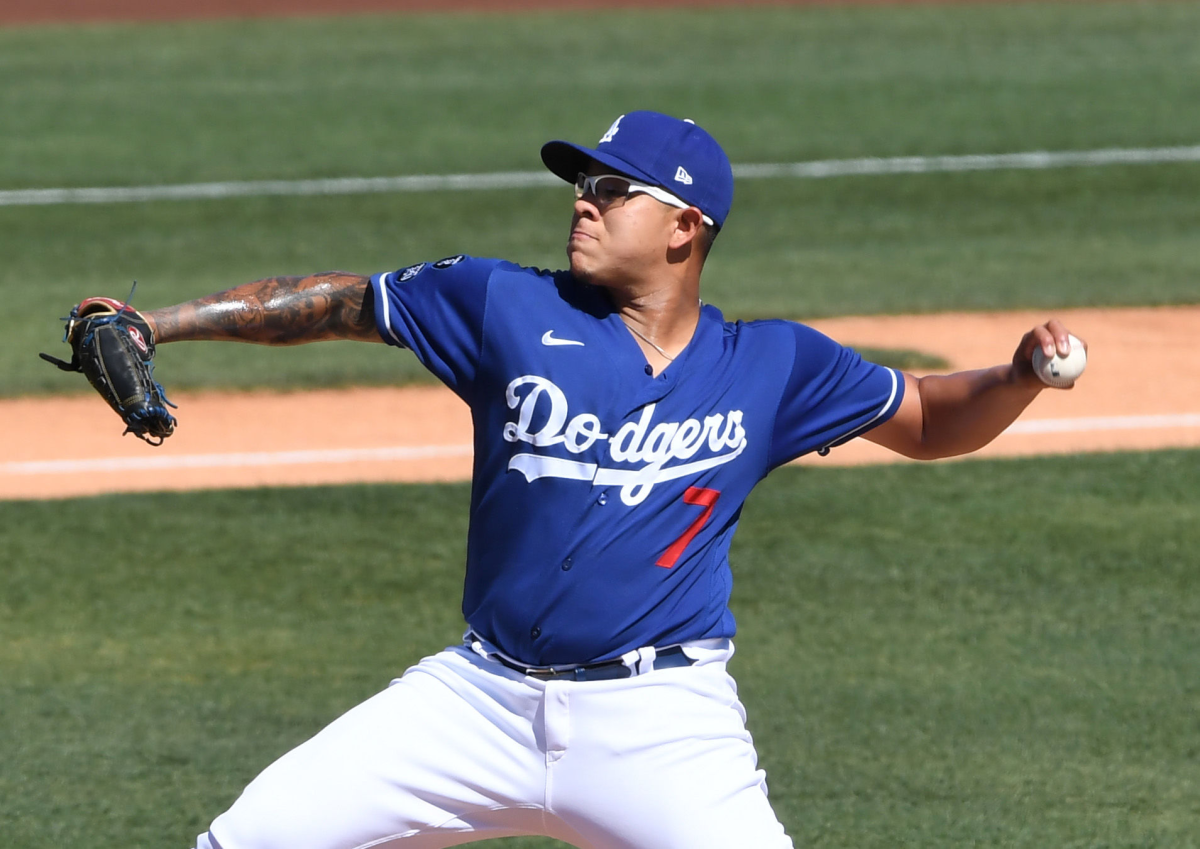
<point x="113" y="346"/>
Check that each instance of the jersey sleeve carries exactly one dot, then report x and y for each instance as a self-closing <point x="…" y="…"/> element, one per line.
<point x="436" y="309"/>
<point x="831" y="396"/>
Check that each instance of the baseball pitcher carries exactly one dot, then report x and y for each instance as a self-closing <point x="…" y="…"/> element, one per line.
<point x="620" y="424"/>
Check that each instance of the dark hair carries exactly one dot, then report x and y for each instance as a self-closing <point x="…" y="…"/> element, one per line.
<point x="704" y="239"/>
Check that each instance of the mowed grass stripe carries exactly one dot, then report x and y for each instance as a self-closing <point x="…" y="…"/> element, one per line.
<point x="173" y="104"/>
<point x="822" y="169"/>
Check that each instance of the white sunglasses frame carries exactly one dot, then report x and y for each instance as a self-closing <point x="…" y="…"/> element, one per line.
<point x="659" y="194"/>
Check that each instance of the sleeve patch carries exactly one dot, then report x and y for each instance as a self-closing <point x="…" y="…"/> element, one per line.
<point x="406" y="274"/>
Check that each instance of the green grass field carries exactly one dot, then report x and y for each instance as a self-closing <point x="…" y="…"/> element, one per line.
<point x="134" y="105"/>
<point x="929" y="658"/>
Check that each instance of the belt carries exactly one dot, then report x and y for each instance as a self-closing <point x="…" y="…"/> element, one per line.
<point x="608" y="670"/>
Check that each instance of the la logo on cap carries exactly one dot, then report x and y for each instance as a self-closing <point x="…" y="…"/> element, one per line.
<point x="612" y="131"/>
<point x="682" y="176"/>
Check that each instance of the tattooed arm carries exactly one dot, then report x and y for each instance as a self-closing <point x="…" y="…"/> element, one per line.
<point x="275" y="311"/>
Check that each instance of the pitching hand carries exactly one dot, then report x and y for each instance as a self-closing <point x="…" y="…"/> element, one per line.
<point x="1053" y="339"/>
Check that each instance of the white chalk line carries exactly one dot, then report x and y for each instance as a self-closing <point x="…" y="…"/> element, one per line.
<point x="237" y="460"/>
<point x="531" y="179"/>
<point x="427" y="452"/>
<point x="1098" y="423"/>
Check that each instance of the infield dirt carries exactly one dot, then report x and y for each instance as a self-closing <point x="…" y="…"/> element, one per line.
<point x="1141" y="391"/>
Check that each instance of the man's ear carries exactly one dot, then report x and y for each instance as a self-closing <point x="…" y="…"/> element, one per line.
<point x="688" y="224"/>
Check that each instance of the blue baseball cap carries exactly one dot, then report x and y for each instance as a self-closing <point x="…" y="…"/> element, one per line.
<point x="673" y="154"/>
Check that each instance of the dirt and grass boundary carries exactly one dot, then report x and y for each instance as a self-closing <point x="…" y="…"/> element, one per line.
<point x="1141" y="391"/>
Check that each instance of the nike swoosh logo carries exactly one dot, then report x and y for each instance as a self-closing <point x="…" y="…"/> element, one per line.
<point x="548" y="338"/>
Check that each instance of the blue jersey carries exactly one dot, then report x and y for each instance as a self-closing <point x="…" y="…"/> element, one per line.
<point x="604" y="497"/>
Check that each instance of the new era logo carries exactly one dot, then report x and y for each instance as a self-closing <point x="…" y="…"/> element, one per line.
<point x="682" y="176"/>
<point x="612" y="131"/>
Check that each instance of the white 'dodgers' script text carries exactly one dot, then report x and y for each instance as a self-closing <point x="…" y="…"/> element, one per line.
<point x="651" y="444"/>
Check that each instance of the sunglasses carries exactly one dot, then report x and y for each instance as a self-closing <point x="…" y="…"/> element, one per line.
<point x="608" y="188"/>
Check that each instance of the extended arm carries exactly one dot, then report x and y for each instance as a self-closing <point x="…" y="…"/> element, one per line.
<point x="275" y="311"/>
<point x="947" y="415"/>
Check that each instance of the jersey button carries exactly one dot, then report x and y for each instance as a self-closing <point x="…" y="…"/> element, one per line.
<point x="603" y="499"/>
<point x="649" y="369"/>
<point x="566" y="565"/>
<point x="535" y="632"/>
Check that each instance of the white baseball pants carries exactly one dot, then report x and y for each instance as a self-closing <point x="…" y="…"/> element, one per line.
<point x="463" y="749"/>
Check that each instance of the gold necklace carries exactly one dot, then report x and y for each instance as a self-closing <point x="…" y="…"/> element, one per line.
<point x="638" y="334"/>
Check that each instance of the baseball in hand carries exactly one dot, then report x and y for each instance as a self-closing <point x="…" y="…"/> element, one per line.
<point x="1058" y="370"/>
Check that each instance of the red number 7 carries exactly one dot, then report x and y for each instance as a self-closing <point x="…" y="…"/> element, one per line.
<point x="701" y="497"/>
